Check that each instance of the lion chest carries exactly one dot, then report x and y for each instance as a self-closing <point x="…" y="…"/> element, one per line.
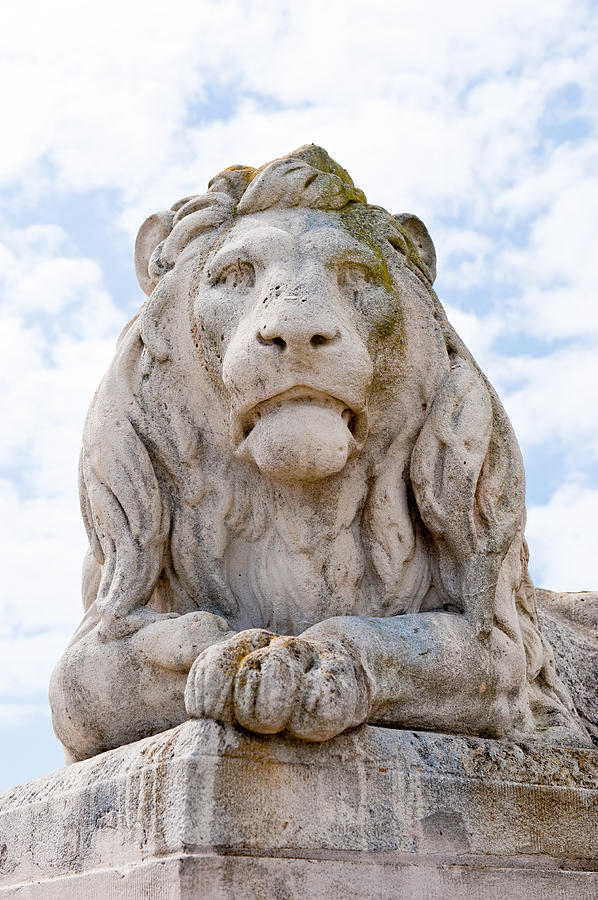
<point x="280" y="585"/>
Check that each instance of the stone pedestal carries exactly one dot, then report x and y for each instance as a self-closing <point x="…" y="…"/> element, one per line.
<point x="209" y="811"/>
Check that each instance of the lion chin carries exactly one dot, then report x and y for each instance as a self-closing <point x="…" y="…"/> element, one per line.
<point x="301" y="435"/>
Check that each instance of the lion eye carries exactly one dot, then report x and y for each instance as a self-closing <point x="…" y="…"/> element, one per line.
<point x="353" y="276"/>
<point x="359" y="283"/>
<point x="240" y="274"/>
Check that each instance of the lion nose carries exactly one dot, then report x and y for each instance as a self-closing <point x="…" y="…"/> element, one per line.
<point x="296" y="332"/>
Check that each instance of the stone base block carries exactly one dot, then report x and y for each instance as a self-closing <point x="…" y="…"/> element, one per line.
<point x="208" y="811"/>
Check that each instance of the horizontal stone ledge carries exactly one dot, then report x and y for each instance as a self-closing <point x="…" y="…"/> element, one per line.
<point x="359" y="878"/>
<point x="208" y="793"/>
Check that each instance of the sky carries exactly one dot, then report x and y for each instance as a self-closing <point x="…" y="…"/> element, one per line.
<point x="482" y="119"/>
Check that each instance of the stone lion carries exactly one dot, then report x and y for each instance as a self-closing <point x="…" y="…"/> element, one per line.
<point x="304" y="501"/>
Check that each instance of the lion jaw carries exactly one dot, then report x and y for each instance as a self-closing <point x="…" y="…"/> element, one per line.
<point x="299" y="435"/>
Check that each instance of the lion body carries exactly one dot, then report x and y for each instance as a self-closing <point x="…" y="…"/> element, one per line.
<point x="413" y="533"/>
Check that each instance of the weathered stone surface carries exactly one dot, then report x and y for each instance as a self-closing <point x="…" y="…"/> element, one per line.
<point x="570" y="622"/>
<point x="304" y="501"/>
<point x="208" y="810"/>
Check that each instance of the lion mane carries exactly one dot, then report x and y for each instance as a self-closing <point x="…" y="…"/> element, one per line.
<point x="177" y="522"/>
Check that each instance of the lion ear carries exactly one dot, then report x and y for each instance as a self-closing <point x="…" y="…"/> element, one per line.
<point x="420" y="236"/>
<point x="154" y="230"/>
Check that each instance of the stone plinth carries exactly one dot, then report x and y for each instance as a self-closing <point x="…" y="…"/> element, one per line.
<point x="206" y="810"/>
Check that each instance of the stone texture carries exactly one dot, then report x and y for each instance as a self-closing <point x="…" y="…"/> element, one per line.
<point x="208" y="810"/>
<point x="570" y="622"/>
<point x="304" y="501"/>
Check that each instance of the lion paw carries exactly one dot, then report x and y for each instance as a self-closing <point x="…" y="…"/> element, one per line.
<point x="270" y="684"/>
<point x="210" y="685"/>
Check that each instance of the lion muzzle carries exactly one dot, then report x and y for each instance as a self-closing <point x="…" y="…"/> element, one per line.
<point x="301" y="435"/>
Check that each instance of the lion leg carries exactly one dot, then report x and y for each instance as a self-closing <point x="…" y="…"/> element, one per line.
<point x="105" y="693"/>
<point x="434" y="671"/>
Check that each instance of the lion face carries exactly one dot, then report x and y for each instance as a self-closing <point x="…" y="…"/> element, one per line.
<point x="290" y="304"/>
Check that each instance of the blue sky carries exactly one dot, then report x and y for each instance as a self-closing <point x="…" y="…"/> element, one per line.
<point x="482" y="121"/>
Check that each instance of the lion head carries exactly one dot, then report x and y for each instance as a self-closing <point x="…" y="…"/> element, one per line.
<point x="292" y="430"/>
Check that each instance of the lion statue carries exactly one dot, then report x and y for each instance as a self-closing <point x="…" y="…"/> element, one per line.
<point x="304" y="500"/>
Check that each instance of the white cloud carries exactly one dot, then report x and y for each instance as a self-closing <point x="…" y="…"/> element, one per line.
<point x="39" y="277"/>
<point x="105" y="104"/>
<point x="13" y="715"/>
<point x="42" y="542"/>
<point x="552" y="398"/>
<point x="26" y="663"/>
<point x="478" y="332"/>
<point x="58" y="324"/>
<point x="562" y="539"/>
